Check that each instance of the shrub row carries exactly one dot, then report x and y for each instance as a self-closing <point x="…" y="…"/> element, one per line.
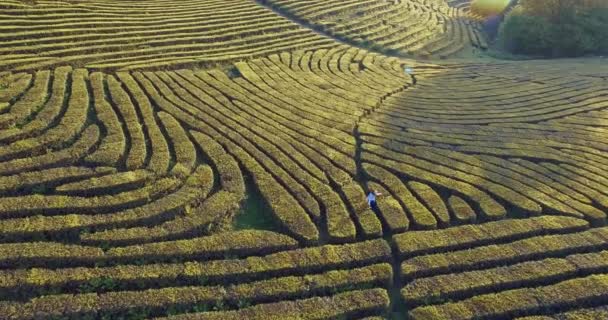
<point x="32" y="100"/>
<point x="42" y="180"/>
<point x="348" y="304"/>
<point x="526" y="274"/>
<point x="310" y="126"/>
<point x="388" y="27"/>
<point x="461" y="209"/>
<point x="160" y="299"/>
<point x="434" y="241"/>
<point x="185" y="153"/>
<point x="22" y="282"/>
<point x="27" y="205"/>
<point x="488" y="205"/>
<point x="178" y="33"/>
<point x="70" y="126"/>
<point x="191" y="208"/>
<point x="152" y="212"/>
<point x="128" y="116"/>
<point x="285" y="207"/>
<point x="230" y="176"/>
<point x="238" y="243"/>
<point x="64" y="157"/>
<point x="589" y="313"/>
<point x="113" y="146"/>
<point x="420" y="215"/>
<point x="273" y="115"/>
<point x="542" y="193"/>
<point x="364" y="216"/>
<point x="432" y="200"/>
<point x="195" y="222"/>
<point x="339" y="226"/>
<point x="16" y="85"/>
<point x="513" y="252"/>
<point x="390" y="209"/>
<point x="251" y="139"/>
<point x="48" y="114"/>
<point x="160" y="155"/>
<point x="507" y="304"/>
<point x="435" y="164"/>
<point x="111" y="183"/>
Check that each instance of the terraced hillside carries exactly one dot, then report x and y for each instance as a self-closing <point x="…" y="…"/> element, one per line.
<point x="127" y="179"/>
<point x="423" y="28"/>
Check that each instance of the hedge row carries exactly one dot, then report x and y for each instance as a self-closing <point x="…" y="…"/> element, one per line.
<point x="153" y="212"/>
<point x="48" y="114"/>
<point x="237" y="243"/>
<point x="363" y="215"/>
<point x="349" y="304"/>
<point x="230" y="175"/>
<point x="24" y="282"/>
<point x="461" y="210"/>
<point x="126" y="39"/>
<point x="563" y="103"/>
<point x="489" y="206"/>
<point x="32" y="100"/>
<point x="191" y="208"/>
<point x="64" y="157"/>
<point x="425" y="242"/>
<point x="390" y="209"/>
<point x="578" y="189"/>
<point x="285" y="207"/>
<point x="185" y="153"/>
<point x="50" y="177"/>
<point x="577" y="314"/>
<point x="421" y="216"/>
<point x="158" y="300"/>
<point x="111" y="183"/>
<point x="194" y="222"/>
<point x="253" y="140"/>
<point x="513" y="252"/>
<point x="70" y="125"/>
<point x="405" y="27"/>
<point x="440" y="167"/>
<point x="46" y="254"/>
<point x="19" y="82"/>
<point x="542" y="193"/>
<point x="312" y="92"/>
<point x="526" y="274"/>
<point x="432" y="200"/>
<point x="304" y="125"/>
<point x="128" y="117"/>
<point x="339" y="226"/>
<point x="272" y="113"/>
<point x="508" y="304"/>
<point x="544" y="177"/>
<point x="160" y="155"/>
<point x="28" y="205"/>
<point x="113" y="146"/>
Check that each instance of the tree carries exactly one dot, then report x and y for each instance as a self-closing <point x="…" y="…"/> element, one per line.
<point x="559" y="11"/>
<point x="556" y="28"/>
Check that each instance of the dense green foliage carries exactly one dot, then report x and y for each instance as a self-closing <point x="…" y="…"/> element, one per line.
<point x="572" y="32"/>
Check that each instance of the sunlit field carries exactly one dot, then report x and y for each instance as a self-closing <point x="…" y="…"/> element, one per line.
<point x="208" y="159"/>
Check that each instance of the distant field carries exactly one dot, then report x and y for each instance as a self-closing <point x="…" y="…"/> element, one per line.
<point x="210" y="160"/>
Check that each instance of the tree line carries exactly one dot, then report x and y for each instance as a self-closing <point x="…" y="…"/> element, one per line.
<point x="556" y="28"/>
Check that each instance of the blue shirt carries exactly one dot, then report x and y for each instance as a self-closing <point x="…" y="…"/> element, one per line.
<point x="371" y="197"/>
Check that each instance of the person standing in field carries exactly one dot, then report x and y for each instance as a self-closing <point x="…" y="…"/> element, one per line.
<point x="410" y="72"/>
<point x="371" y="199"/>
